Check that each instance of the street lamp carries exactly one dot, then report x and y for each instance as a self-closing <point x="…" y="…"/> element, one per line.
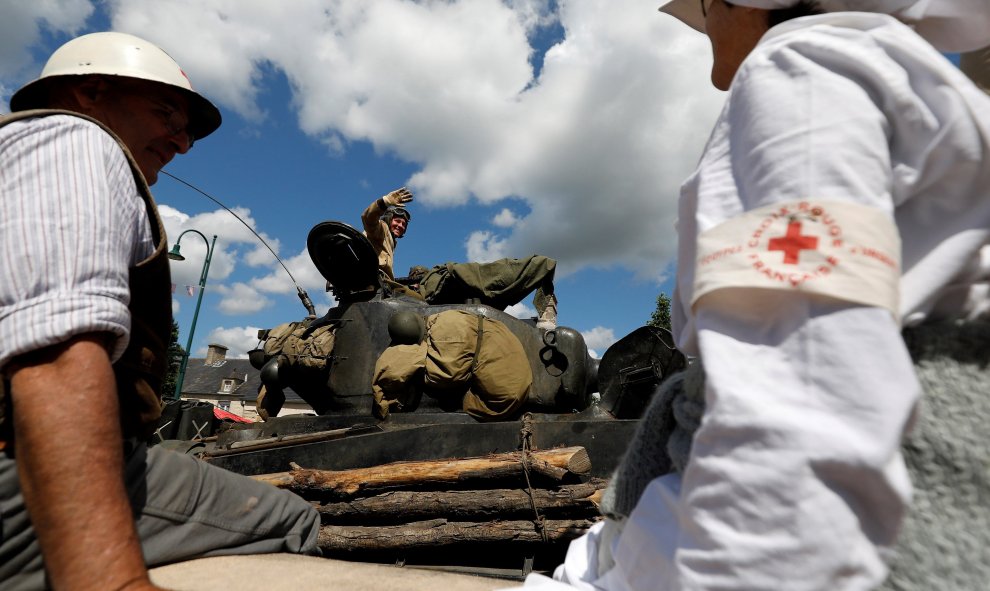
<point x="176" y="256"/>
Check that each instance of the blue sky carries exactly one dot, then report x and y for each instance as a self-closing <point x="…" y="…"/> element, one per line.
<point x="522" y="126"/>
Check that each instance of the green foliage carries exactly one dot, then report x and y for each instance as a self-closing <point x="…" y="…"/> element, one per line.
<point x="174" y="354"/>
<point x="661" y="316"/>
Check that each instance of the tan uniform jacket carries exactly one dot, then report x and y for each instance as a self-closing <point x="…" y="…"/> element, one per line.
<point x="380" y="237"/>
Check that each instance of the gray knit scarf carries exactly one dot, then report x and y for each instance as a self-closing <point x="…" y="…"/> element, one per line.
<point x="945" y="541"/>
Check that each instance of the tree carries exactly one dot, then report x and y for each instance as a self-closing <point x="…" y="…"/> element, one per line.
<point x="174" y="355"/>
<point x="661" y="316"/>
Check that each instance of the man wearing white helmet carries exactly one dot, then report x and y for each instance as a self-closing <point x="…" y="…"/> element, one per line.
<point x="85" y="316"/>
<point x="844" y="195"/>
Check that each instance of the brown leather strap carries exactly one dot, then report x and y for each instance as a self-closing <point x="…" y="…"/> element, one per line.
<point x="477" y="345"/>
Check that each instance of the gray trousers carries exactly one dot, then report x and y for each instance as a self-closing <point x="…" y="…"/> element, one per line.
<point x="184" y="508"/>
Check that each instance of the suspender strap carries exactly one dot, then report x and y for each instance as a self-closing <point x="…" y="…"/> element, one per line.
<point x="477" y="345"/>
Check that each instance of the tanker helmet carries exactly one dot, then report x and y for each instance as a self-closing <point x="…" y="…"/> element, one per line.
<point x="271" y="374"/>
<point x="395" y="210"/>
<point x="118" y="54"/>
<point x="406" y="328"/>
<point x="417" y="272"/>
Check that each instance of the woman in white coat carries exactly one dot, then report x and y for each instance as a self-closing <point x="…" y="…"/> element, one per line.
<point x="843" y="197"/>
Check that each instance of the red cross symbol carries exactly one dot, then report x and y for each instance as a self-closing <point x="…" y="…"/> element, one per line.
<point x="793" y="243"/>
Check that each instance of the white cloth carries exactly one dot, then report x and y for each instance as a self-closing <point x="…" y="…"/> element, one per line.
<point x="71" y="223"/>
<point x="796" y="480"/>
<point x="949" y="25"/>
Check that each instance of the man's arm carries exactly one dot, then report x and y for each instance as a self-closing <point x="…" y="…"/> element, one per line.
<point x="370" y="219"/>
<point x="70" y="464"/>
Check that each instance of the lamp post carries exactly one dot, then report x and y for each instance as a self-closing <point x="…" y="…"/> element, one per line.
<point x="176" y="256"/>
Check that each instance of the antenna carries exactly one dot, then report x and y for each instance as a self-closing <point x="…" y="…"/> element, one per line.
<point x="303" y="296"/>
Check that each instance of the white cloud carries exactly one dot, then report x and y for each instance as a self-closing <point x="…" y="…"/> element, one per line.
<point x="505" y="219"/>
<point x="595" y="145"/>
<point x="302" y="268"/>
<point x="308" y="277"/>
<point x="238" y="340"/>
<point x="241" y="298"/>
<point x="592" y="146"/>
<point x="335" y="145"/>
<point x="171" y="217"/>
<point x="533" y="13"/>
<point x="598" y="339"/>
<point x="230" y="233"/>
<point x="21" y="27"/>
<point x="261" y="256"/>
<point x="521" y="311"/>
<point x="484" y="247"/>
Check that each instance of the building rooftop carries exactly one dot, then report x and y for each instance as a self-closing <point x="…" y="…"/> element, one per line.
<point x="212" y="375"/>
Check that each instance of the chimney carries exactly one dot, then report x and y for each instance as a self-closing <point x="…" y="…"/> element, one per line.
<point x="215" y="354"/>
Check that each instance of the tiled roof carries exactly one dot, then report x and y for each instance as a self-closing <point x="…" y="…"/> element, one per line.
<point x="205" y="380"/>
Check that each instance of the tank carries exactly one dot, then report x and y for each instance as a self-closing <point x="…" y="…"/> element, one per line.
<point x="575" y="401"/>
<point x="564" y="375"/>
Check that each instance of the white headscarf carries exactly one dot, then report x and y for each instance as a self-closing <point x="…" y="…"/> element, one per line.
<point x="949" y="25"/>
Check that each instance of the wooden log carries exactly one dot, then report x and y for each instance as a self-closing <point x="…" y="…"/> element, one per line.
<point x="574" y="500"/>
<point x="253" y="445"/>
<point x="440" y="532"/>
<point x="553" y="464"/>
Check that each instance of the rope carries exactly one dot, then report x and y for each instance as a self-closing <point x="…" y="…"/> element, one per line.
<point x="526" y="434"/>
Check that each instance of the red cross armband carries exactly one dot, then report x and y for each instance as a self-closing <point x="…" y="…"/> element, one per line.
<point x="847" y="251"/>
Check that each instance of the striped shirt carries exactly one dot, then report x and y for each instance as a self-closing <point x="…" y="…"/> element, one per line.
<point x="71" y="224"/>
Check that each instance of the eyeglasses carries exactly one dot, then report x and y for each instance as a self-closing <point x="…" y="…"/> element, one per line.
<point x="162" y="106"/>
<point x="175" y="123"/>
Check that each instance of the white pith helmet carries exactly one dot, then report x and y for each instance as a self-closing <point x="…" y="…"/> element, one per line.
<point x="119" y="54"/>
<point x="687" y="11"/>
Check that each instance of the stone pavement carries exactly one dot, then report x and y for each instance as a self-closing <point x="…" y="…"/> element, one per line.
<point x="276" y="572"/>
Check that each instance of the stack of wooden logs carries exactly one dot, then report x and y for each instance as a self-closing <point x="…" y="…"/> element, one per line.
<point x="538" y="497"/>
